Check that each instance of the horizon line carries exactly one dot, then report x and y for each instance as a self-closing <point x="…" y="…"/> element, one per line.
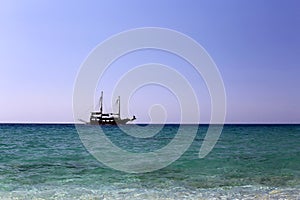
<point x="175" y="123"/>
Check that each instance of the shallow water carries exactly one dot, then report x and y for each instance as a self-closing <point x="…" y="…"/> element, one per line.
<point x="249" y="161"/>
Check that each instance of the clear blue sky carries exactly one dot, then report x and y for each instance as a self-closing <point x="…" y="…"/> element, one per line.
<point x="255" y="44"/>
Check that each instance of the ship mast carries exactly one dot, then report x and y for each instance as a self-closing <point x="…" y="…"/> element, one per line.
<point x="119" y="107"/>
<point x="101" y="102"/>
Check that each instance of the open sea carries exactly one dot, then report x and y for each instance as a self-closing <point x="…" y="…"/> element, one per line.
<point x="40" y="161"/>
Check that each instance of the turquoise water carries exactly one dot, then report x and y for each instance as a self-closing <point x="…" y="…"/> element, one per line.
<point x="249" y="161"/>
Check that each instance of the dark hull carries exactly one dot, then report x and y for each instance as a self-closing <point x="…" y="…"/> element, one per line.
<point x="110" y="122"/>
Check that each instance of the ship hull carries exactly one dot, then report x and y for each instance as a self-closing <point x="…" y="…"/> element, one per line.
<point x="110" y="122"/>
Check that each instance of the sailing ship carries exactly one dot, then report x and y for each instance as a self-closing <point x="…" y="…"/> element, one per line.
<point x="100" y="118"/>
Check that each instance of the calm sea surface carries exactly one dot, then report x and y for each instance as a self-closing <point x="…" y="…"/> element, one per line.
<point x="248" y="162"/>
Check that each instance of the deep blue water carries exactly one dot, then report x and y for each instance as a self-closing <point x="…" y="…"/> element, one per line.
<point x="249" y="161"/>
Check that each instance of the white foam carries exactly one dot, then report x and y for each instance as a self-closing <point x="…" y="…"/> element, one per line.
<point x="107" y="193"/>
